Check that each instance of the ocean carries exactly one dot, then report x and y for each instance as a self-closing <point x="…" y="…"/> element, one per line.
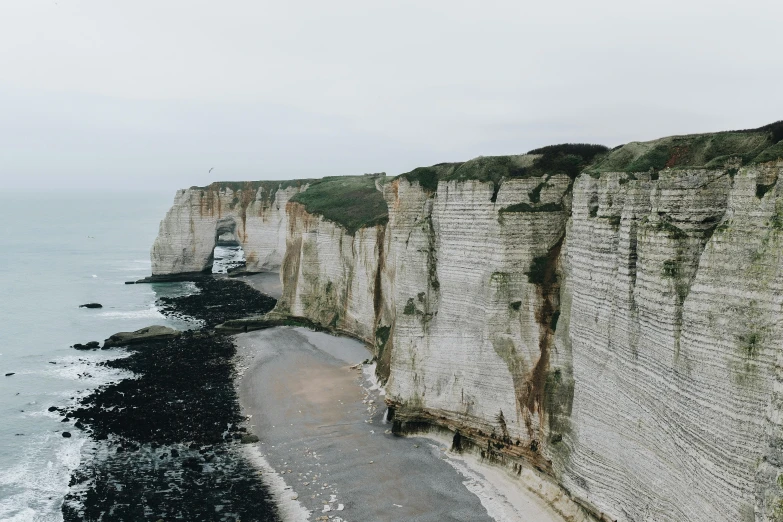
<point x="61" y="250"/>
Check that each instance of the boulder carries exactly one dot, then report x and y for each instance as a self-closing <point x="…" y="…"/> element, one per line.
<point x="92" y="345"/>
<point x="91" y="305"/>
<point x="150" y="333"/>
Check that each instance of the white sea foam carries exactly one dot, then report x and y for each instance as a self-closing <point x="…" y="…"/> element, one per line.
<point x="32" y="490"/>
<point x="148" y="313"/>
<point x="86" y="368"/>
<point x="290" y="509"/>
<point x="34" y="487"/>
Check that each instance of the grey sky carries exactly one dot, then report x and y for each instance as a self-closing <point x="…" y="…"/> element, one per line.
<point x="121" y="94"/>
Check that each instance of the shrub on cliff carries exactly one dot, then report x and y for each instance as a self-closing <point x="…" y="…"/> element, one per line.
<point x="712" y="150"/>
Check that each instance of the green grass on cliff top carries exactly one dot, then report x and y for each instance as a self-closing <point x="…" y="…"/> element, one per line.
<point x="350" y="201"/>
<point x="269" y="187"/>
<point x="567" y="158"/>
<point x="354" y="202"/>
<point x="242" y="185"/>
<point x="711" y="150"/>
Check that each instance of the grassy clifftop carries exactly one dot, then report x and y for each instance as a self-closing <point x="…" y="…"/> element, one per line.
<point x="250" y="188"/>
<point x="711" y="150"/>
<point x="567" y="158"/>
<point x="354" y="201"/>
<point x="350" y="201"/>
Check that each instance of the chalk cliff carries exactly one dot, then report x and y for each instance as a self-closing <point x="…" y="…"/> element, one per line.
<point x="606" y="324"/>
<point x="250" y="214"/>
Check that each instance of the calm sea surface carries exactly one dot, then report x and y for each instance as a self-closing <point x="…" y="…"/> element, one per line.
<point x="58" y="251"/>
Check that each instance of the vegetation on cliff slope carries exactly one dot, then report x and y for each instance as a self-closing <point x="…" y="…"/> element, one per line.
<point x="354" y="201"/>
<point x="350" y="201"/>
<point x="567" y="158"/>
<point x="711" y="150"/>
<point x="428" y="177"/>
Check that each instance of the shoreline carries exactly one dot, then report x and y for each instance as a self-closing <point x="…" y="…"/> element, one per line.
<point x="337" y="438"/>
<point x="168" y="438"/>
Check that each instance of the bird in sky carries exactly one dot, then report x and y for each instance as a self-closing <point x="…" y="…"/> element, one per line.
<point x="210" y="170"/>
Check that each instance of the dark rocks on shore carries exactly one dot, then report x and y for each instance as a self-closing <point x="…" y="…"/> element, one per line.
<point x="171" y="278"/>
<point x="248" y="439"/>
<point x="182" y="392"/>
<point x="220" y="300"/>
<point x="170" y="435"/>
<point x="92" y="345"/>
<point x="91" y="305"/>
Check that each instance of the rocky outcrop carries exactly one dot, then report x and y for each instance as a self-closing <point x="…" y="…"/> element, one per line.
<point x="143" y="335"/>
<point x="251" y="215"/>
<point x="610" y="332"/>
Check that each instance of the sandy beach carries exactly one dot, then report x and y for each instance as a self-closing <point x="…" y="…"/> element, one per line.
<point x="321" y="428"/>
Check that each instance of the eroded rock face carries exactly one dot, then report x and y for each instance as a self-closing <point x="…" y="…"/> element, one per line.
<point x="626" y="344"/>
<point x="334" y="278"/>
<point x="476" y="295"/>
<point x="252" y="216"/>
<point x="620" y="333"/>
<point x="672" y="311"/>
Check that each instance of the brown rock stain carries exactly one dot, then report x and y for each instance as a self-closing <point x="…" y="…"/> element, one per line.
<point x="531" y="397"/>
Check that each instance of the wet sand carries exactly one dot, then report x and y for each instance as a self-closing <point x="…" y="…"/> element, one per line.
<point x="321" y="426"/>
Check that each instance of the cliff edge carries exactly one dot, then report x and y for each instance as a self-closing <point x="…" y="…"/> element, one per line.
<point x="606" y="324"/>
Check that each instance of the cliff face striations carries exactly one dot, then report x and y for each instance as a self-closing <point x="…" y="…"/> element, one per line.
<point x="605" y="324"/>
<point x="252" y="215"/>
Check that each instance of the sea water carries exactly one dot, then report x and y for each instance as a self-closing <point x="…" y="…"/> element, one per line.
<point x="57" y="251"/>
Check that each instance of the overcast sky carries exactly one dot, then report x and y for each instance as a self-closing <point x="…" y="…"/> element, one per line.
<point x="103" y="94"/>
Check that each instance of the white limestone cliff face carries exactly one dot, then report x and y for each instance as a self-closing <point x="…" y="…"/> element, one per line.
<point x="332" y="277"/>
<point x="470" y="338"/>
<point x="253" y="215"/>
<point x="655" y="394"/>
<point x="618" y="336"/>
<point x="671" y="310"/>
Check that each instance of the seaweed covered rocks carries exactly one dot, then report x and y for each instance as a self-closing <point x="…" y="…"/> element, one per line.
<point x="183" y="392"/>
<point x="168" y="441"/>
<point x="219" y="300"/>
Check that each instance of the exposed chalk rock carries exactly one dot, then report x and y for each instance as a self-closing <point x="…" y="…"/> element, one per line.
<point x="614" y="339"/>
<point x="334" y="278"/>
<point x="248" y="214"/>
